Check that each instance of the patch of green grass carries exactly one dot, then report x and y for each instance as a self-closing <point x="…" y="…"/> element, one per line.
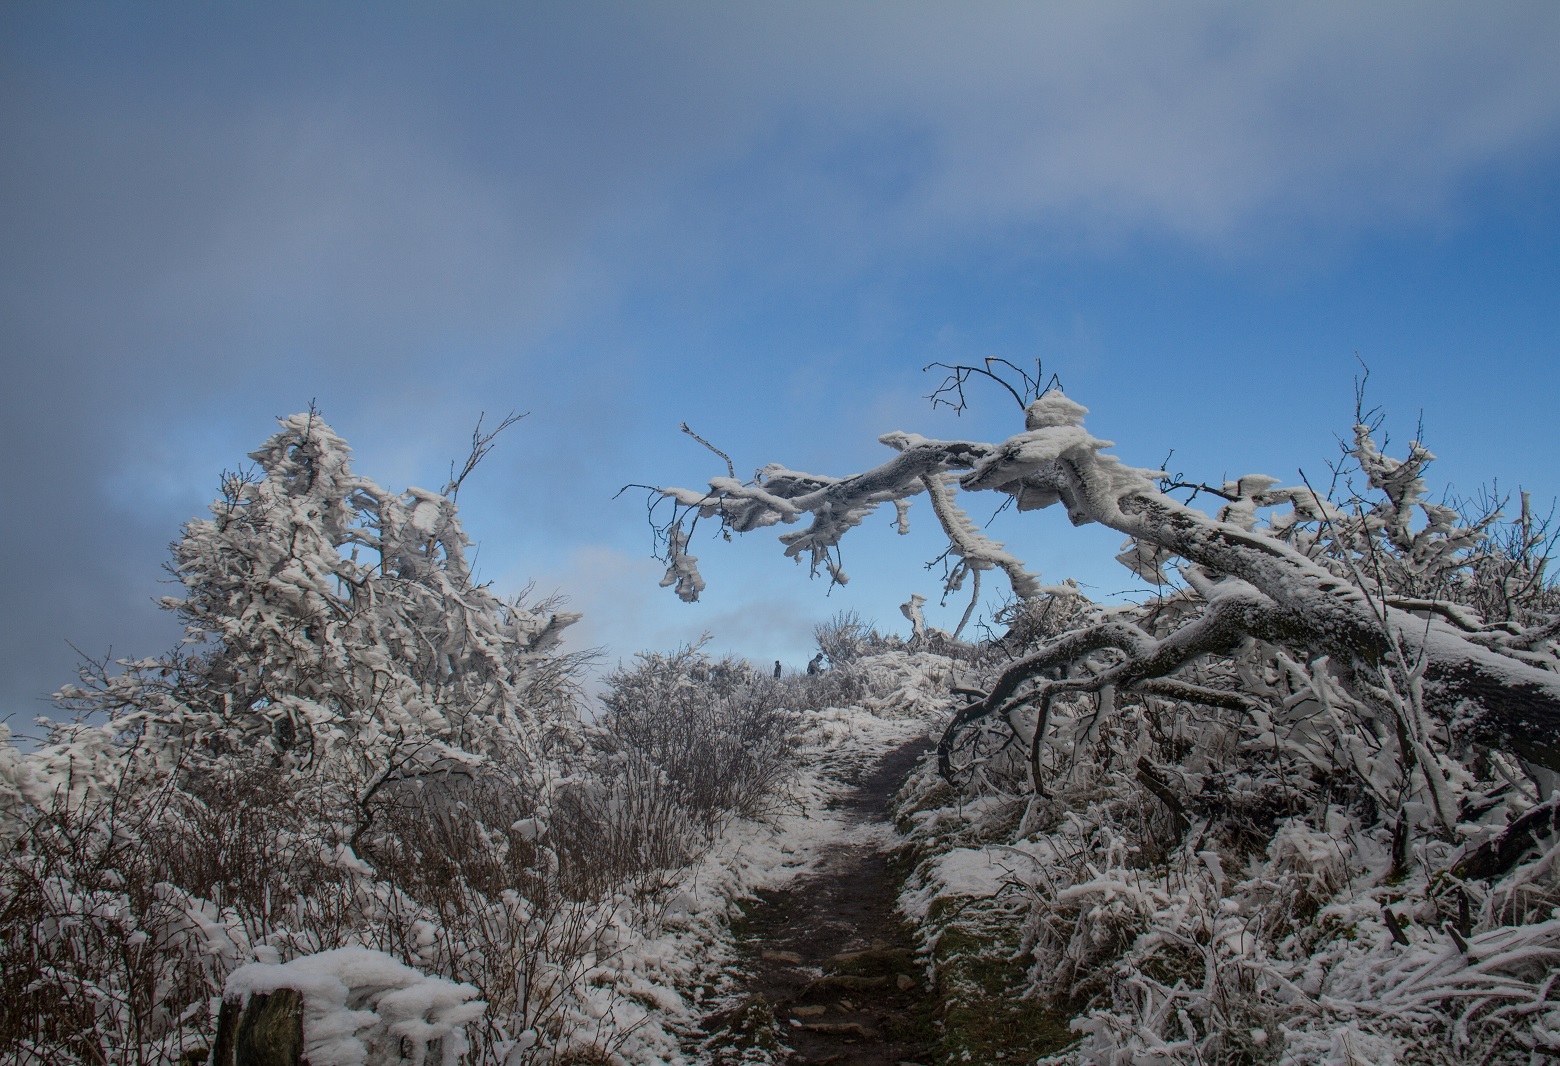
<point x="746" y="1033"/>
<point x="984" y="1016"/>
<point x="939" y="795"/>
<point x="977" y="1011"/>
<point x="903" y="860"/>
<point x="744" y="923"/>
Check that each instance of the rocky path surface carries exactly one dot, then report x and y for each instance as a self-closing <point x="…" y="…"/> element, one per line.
<point x="827" y="954"/>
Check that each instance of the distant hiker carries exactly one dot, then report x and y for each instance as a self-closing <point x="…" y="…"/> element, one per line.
<point x="777" y="669"/>
<point x="815" y="665"/>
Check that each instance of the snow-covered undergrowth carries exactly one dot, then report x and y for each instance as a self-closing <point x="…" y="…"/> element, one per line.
<point x="1198" y="888"/>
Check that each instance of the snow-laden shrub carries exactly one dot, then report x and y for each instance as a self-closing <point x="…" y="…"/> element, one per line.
<point x="844" y="637"/>
<point x="1261" y="918"/>
<point x="722" y="735"/>
<point x="1193" y="944"/>
<point x="683" y="744"/>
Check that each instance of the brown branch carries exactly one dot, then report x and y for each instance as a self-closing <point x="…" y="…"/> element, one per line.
<point x="1166" y="795"/>
<point x="1223" y="625"/>
<point x="1505" y="849"/>
<point x="1176" y="689"/>
<point x="1394" y="925"/>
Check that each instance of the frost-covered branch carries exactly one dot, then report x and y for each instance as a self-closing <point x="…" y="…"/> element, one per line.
<point x="1274" y="583"/>
<point x="977" y="551"/>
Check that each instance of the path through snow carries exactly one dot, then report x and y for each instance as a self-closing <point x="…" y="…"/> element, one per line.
<point x="826" y="951"/>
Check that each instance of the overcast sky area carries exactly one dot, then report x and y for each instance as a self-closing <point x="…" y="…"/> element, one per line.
<point x="763" y="219"/>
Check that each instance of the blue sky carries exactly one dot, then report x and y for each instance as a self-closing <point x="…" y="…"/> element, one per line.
<point x="760" y="219"/>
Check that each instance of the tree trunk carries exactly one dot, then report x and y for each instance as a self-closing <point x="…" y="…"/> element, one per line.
<point x="266" y="1031"/>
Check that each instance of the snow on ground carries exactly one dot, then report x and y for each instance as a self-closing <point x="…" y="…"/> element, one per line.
<point x="963" y="872"/>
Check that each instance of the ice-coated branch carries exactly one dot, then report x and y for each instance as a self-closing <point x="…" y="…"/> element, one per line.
<point x="965" y="539"/>
<point x="1268" y="587"/>
<point x="1230" y="618"/>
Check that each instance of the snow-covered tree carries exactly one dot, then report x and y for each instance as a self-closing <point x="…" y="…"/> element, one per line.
<point x="354" y="745"/>
<point x="1314" y="577"/>
<point x="333" y="628"/>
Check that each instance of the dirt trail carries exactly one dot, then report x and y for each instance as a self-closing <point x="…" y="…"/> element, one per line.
<point x="828" y="953"/>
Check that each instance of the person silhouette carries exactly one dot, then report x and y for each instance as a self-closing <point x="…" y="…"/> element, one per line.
<point x="777" y="669"/>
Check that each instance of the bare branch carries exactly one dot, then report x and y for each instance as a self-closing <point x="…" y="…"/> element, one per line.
<point x="481" y="444"/>
<point x="1029" y="389"/>
<point x="731" y="470"/>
